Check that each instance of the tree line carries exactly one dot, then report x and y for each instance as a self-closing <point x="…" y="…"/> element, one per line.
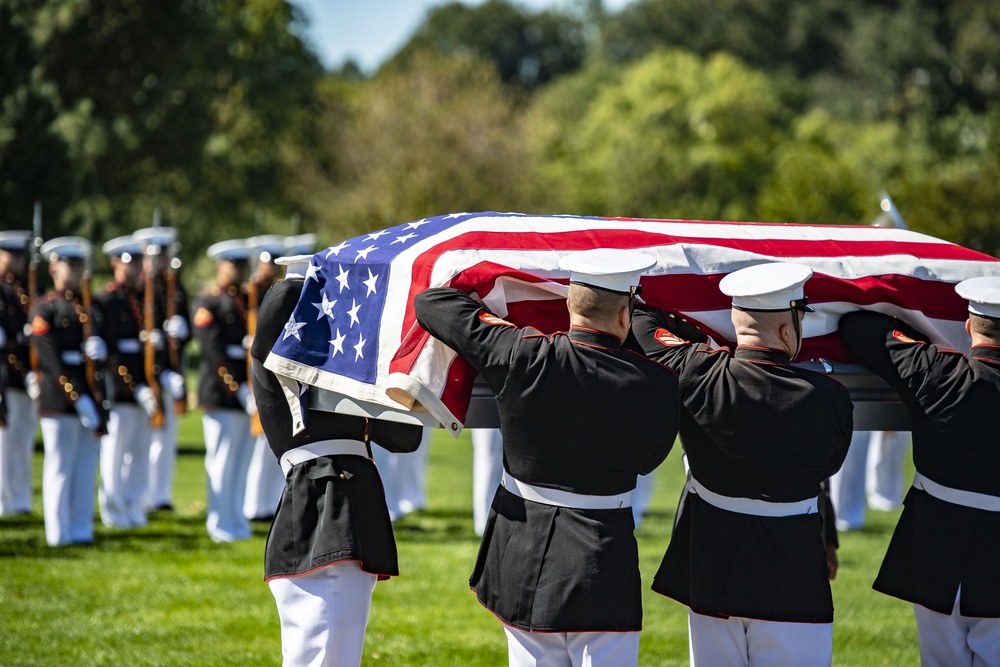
<point x="218" y="113"/>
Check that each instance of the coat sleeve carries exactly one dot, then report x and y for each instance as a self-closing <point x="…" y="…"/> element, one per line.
<point x="667" y="338"/>
<point x="481" y="338"/>
<point x="921" y="373"/>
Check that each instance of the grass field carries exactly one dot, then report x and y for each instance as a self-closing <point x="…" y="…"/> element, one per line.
<point x="166" y="595"/>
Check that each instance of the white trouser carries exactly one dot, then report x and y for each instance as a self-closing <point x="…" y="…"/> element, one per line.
<point x="162" y="459"/>
<point x="69" y="474"/>
<point x="746" y="642"/>
<point x="265" y="482"/>
<point x="642" y="496"/>
<point x="124" y="467"/>
<point x="17" y="441"/>
<point x="487" y="468"/>
<point x="884" y="469"/>
<point x="948" y="640"/>
<point x="571" y="649"/>
<point x="847" y="486"/>
<point x="228" y="448"/>
<point x="404" y="478"/>
<point x="324" y="615"/>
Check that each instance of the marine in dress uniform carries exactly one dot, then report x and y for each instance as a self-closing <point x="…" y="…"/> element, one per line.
<point x="124" y="460"/>
<point x="581" y="418"/>
<point x="331" y="538"/>
<point x="944" y="551"/>
<point x="18" y="421"/>
<point x="172" y="331"/>
<point x="265" y="481"/>
<point x="220" y="325"/>
<point x="72" y="413"/>
<point x="746" y="554"/>
<point x="872" y="476"/>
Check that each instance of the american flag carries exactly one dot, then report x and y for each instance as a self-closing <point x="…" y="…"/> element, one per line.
<point x="354" y="332"/>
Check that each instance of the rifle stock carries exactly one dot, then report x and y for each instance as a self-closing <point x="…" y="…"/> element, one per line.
<point x="89" y="364"/>
<point x="255" y="426"/>
<point x="149" y="348"/>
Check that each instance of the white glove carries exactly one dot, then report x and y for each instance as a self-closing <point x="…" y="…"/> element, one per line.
<point x="95" y="348"/>
<point x="173" y="383"/>
<point x="176" y="327"/>
<point x="86" y="410"/>
<point x="245" y="398"/>
<point x="31" y="385"/>
<point x="146" y="399"/>
<point x="3" y="337"/>
<point x="247" y="342"/>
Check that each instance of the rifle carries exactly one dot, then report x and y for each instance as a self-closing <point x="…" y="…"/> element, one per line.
<point x="89" y="365"/>
<point x="149" y="349"/>
<point x="36" y="258"/>
<point x="255" y="426"/>
<point x="170" y="288"/>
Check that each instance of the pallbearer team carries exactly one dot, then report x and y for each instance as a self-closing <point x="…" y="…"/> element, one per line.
<point x="583" y="413"/>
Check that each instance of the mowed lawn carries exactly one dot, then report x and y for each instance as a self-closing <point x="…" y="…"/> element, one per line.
<point x="166" y="595"/>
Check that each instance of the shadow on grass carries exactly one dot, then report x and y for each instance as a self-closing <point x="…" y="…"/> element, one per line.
<point x="436" y="526"/>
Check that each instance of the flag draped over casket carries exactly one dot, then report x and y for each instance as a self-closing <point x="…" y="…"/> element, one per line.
<point x="354" y="332"/>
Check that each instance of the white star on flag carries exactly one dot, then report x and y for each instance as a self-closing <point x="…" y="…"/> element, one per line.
<point x="416" y="225"/>
<point x="335" y="250"/>
<point x="452" y="216"/>
<point x="370" y="283"/>
<point x="353" y="312"/>
<point x="338" y="344"/>
<point x="292" y="328"/>
<point x="325" y="308"/>
<point x="342" y="279"/>
<point x="363" y="254"/>
<point x="374" y="235"/>
<point x="311" y="272"/>
<point x="359" y="347"/>
<point x="403" y="239"/>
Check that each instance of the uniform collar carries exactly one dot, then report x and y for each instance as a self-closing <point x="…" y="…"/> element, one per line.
<point x="594" y="337"/>
<point x="986" y="352"/>
<point x="767" y="355"/>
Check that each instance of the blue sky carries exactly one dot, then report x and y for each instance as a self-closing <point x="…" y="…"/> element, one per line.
<point x="371" y="31"/>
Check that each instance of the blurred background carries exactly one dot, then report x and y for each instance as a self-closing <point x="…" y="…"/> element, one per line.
<point x="236" y="117"/>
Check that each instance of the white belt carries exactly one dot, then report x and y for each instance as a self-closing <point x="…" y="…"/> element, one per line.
<point x="752" y="505"/>
<point x="539" y="494"/>
<point x="72" y="357"/>
<point x="314" y="450"/>
<point x="128" y="345"/>
<point x="236" y="352"/>
<point x="972" y="499"/>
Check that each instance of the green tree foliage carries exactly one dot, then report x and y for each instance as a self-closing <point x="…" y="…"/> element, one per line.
<point x="195" y="106"/>
<point x="528" y="48"/>
<point x="34" y="160"/>
<point x="677" y="136"/>
<point x="438" y="135"/>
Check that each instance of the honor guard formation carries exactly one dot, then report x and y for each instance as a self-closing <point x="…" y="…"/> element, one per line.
<point x="586" y="416"/>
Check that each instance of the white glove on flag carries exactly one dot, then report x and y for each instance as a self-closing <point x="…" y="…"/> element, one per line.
<point x="95" y="348"/>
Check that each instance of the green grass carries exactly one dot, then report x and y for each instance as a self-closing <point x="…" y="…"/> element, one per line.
<point x="166" y="595"/>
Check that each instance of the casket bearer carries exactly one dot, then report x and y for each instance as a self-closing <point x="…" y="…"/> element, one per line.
<point x="125" y="448"/>
<point x="558" y="564"/>
<point x="331" y="538"/>
<point x="71" y="407"/>
<point x="944" y="551"/>
<point x="17" y="426"/>
<point x="171" y="327"/>
<point x="220" y="325"/>
<point x="746" y="554"/>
